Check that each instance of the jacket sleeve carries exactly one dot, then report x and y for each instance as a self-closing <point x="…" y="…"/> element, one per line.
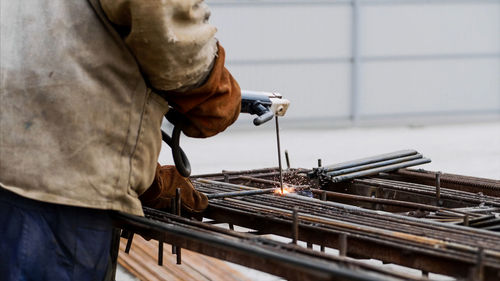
<point x="172" y="40"/>
<point x="180" y="57"/>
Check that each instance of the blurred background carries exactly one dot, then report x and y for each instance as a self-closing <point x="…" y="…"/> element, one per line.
<point x="364" y="77"/>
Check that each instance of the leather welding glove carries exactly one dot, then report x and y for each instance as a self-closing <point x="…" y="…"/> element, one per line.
<point x="210" y="108"/>
<point x="162" y="190"/>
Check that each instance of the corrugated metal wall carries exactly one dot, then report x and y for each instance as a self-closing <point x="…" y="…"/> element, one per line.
<point x="366" y="60"/>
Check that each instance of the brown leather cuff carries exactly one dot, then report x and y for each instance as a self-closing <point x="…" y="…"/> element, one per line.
<point x="213" y="106"/>
<point x="162" y="190"/>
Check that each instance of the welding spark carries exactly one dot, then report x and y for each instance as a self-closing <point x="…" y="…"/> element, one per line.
<point x="286" y="190"/>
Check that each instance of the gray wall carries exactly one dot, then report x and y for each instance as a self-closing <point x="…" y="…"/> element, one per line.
<point x="367" y="61"/>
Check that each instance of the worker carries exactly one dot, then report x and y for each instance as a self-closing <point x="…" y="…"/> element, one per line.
<point x="84" y="88"/>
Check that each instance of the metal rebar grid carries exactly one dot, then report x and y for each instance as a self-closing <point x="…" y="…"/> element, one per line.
<point x="393" y="238"/>
<point x="444" y="193"/>
<point x="488" y="187"/>
<point x="289" y="261"/>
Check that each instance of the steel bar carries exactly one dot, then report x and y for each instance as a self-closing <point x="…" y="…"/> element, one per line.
<point x="295" y="225"/>
<point x="405" y="204"/>
<point x="343" y="244"/>
<point x="374" y="165"/>
<point x="369" y="160"/>
<point x="287" y="158"/>
<point x="324" y="194"/>
<point x="274" y="183"/>
<point x="129" y="242"/>
<point x="160" y="252"/>
<point x="241" y="193"/>
<point x="178" y="204"/>
<point x="431" y="191"/>
<point x="438" y="188"/>
<point x="488" y="187"/>
<point x="279" y="152"/>
<point x="374" y="171"/>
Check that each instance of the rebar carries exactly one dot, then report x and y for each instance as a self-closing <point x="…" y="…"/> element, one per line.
<point x="369" y="160"/>
<point x="383" y="169"/>
<point x="242" y="193"/>
<point x="374" y="165"/>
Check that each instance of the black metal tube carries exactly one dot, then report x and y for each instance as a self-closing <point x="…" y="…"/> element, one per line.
<point x="369" y="160"/>
<point x="374" y="171"/>
<point x="374" y="165"/>
<point x="241" y="193"/>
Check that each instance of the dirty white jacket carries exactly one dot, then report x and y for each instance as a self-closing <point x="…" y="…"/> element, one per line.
<point x="78" y="123"/>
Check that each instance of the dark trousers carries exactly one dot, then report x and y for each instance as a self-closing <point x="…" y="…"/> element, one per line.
<point x="42" y="241"/>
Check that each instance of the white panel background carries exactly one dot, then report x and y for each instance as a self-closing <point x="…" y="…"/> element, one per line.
<point x="421" y="29"/>
<point x="317" y="90"/>
<point x="283" y="32"/>
<point x="430" y="86"/>
<point x="416" y="58"/>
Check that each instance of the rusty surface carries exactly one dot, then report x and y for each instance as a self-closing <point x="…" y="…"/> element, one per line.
<point x="362" y="233"/>
<point x="409" y="218"/>
<point x="489" y="187"/>
<point x="289" y="261"/>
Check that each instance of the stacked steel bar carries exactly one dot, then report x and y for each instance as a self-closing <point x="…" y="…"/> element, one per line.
<point x="370" y="166"/>
<point x="489" y="187"/>
<point x="468" y="198"/>
<point x="433" y="247"/>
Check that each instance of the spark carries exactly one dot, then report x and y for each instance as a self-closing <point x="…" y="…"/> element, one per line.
<point x="286" y="190"/>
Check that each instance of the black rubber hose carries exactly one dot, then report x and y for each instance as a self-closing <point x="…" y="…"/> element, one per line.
<point x="180" y="159"/>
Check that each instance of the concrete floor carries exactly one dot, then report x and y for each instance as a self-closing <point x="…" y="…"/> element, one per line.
<point x="470" y="149"/>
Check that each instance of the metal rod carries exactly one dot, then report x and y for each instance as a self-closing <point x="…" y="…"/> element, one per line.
<point x="241" y="193"/>
<point x="279" y="152"/>
<point x="480" y="265"/>
<point x="295" y="226"/>
<point x="179" y="256"/>
<point x="172" y="210"/>
<point x="178" y="200"/>
<point x="160" y="253"/>
<point x="374" y="165"/>
<point x="129" y="242"/>
<point x="343" y="244"/>
<point x="323" y="195"/>
<point x="369" y="160"/>
<point x="287" y="158"/>
<point x="438" y="188"/>
<point x="259" y="180"/>
<point x="375" y="171"/>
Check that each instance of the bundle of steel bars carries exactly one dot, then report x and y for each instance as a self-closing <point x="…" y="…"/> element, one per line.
<point x="370" y="166"/>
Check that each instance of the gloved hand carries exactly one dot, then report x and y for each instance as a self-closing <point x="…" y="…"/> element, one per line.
<point x="162" y="190"/>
